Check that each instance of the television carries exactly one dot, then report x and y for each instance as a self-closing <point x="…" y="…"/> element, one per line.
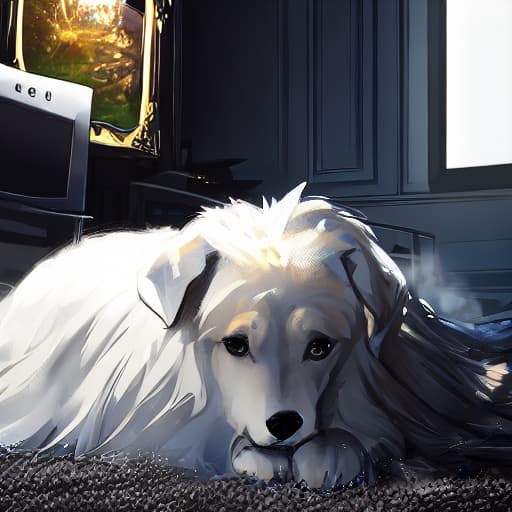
<point x="112" y="46"/>
<point x="44" y="140"/>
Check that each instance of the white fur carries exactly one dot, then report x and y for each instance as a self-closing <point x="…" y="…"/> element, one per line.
<point x="104" y="347"/>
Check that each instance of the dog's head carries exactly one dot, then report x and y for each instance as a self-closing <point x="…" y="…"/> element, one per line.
<point x="292" y="288"/>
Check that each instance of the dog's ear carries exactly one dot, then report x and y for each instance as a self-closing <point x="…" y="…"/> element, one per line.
<point x="162" y="285"/>
<point x="379" y="285"/>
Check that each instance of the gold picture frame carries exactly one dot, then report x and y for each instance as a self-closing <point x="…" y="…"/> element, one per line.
<point x="108" y="45"/>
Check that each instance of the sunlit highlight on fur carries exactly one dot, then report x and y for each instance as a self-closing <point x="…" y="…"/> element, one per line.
<point x="118" y="344"/>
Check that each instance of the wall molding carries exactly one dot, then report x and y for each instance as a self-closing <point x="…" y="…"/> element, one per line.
<point x="341" y="99"/>
<point x="376" y="153"/>
<point x="433" y="198"/>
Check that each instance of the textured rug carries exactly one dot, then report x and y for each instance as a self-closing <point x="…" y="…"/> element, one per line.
<point x="97" y="484"/>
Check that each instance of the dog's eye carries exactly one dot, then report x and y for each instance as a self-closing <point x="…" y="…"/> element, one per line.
<point x="318" y="349"/>
<point x="237" y="345"/>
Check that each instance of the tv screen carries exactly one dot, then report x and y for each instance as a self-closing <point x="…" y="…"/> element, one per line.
<point x="94" y="43"/>
<point x="108" y="45"/>
<point x="44" y="140"/>
<point x="42" y="171"/>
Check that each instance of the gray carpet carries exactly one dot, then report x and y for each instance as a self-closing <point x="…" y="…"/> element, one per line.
<point x="66" y="484"/>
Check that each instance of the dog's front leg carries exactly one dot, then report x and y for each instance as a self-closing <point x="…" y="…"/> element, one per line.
<point x="332" y="458"/>
<point x="260" y="462"/>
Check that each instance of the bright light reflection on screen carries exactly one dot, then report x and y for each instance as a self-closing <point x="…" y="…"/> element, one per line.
<point x="97" y="43"/>
<point x="479" y="83"/>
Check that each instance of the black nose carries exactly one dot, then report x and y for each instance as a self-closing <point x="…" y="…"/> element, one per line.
<point x="284" y="424"/>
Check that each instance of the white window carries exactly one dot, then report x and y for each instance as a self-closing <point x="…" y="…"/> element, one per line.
<point x="478" y="83"/>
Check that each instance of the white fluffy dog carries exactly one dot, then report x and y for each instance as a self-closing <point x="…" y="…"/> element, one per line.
<point x="251" y="341"/>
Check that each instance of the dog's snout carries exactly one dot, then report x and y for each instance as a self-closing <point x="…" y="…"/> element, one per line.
<point x="284" y="424"/>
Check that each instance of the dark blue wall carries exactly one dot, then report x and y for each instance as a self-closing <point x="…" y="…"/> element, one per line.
<point x="335" y="92"/>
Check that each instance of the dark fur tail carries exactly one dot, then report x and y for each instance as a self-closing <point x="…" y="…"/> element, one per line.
<point x="448" y="387"/>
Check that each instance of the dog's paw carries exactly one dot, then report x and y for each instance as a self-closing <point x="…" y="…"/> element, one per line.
<point x="264" y="464"/>
<point x="328" y="460"/>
